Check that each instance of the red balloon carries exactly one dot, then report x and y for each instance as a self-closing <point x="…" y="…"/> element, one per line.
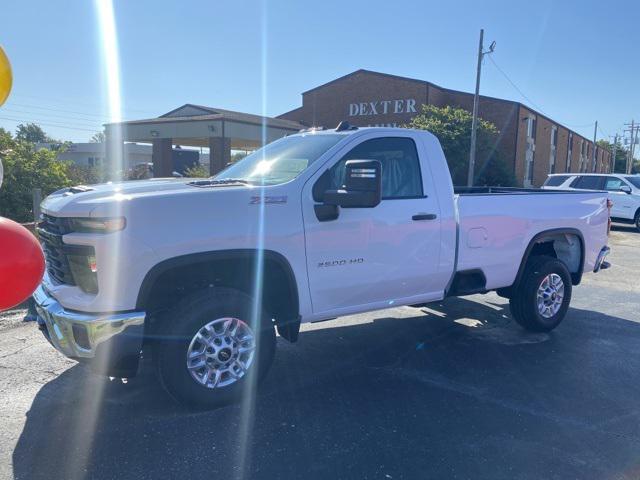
<point x="21" y="263"/>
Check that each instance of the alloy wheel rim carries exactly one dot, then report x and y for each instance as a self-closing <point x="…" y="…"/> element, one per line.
<point x="550" y="295"/>
<point x="221" y="352"/>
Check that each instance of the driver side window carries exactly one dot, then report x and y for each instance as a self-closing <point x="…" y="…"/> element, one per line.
<point x="613" y="184"/>
<point x="398" y="156"/>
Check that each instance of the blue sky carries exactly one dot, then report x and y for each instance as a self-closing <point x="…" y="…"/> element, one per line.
<point x="573" y="59"/>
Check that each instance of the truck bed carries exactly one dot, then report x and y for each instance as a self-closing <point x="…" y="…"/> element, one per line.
<point x="507" y="191"/>
<point x="496" y="225"/>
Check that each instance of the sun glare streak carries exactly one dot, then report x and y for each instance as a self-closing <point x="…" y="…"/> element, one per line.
<point x="111" y="68"/>
<point x="249" y="398"/>
<point x="84" y="431"/>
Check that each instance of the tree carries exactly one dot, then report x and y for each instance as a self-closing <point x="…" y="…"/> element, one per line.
<point x="6" y="142"/>
<point x="25" y="169"/>
<point x="621" y="154"/>
<point x="452" y="126"/>
<point x="98" y="137"/>
<point x="31" y="132"/>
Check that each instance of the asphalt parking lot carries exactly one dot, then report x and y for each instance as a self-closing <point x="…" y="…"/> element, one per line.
<point x="456" y="390"/>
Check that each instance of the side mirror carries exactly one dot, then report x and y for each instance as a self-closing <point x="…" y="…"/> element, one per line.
<point x="362" y="187"/>
<point x="626" y="189"/>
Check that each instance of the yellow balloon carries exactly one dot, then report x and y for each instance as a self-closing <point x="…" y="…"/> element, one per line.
<point x="6" y="79"/>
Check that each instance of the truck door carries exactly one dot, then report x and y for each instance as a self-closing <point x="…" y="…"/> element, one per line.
<point x="623" y="203"/>
<point x="377" y="255"/>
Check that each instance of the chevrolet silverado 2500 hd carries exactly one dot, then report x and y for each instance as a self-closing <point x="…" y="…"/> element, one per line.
<point x="313" y="226"/>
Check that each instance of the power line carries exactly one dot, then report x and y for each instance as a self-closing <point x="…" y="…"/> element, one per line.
<point x="37" y="115"/>
<point x="22" y="120"/>
<point x="75" y="112"/>
<point x="64" y="102"/>
<point x="531" y="101"/>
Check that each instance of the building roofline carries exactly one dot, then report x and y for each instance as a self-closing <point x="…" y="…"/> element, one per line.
<point x="225" y="115"/>
<point x="449" y="90"/>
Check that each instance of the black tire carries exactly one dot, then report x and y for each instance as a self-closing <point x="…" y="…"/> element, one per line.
<point x="178" y="328"/>
<point x="524" y="304"/>
<point x="636" y="220"/>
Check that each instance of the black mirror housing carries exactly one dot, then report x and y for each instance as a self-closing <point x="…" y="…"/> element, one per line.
<point x="626" y="189"/>
<point x="362" y="187"/>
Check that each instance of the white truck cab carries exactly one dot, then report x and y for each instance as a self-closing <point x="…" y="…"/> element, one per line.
<point x="312" y="226"/>
<point x="623" y="190"/>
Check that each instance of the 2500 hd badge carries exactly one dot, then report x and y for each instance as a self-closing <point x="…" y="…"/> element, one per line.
<point x="340" y="263"/>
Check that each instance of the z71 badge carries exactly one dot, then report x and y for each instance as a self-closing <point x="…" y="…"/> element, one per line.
<point x="340" y="263"/>
<point x="267" y="200"/>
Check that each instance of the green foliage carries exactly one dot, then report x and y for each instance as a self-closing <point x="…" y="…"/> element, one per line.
<point x="452" y="126"/>
<point x="25" y="169"/>
<point x="621" y="156"/>
<point x="32" y="133"/>
<point x="197" y="171"/>
<point x="98" y="137"/>
<point x="238" y="156"/>
<point x="84" y="175"/>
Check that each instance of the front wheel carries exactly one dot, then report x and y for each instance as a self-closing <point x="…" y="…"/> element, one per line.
<point x="637" y="220"/>
<point x="542" y="299"/>
<point x="211" y="351"/>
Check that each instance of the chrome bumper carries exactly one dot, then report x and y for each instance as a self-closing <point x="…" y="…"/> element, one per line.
<point x="111" y="340"/>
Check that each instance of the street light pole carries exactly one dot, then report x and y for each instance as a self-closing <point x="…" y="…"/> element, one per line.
<point x="476" y="101"/>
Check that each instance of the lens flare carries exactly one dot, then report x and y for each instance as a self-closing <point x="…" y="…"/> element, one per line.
<point x="83" y="432"/>
<point x="249" y="398"/>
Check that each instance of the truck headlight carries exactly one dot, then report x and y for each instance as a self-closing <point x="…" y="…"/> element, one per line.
<point x="97" y="225"/>
<point x="84" y="269"/>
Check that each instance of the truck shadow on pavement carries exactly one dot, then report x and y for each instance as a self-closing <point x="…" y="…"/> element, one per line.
<point x="457" y="390"/>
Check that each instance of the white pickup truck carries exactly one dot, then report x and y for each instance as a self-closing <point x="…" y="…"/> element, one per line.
<point x="313" y="226"/>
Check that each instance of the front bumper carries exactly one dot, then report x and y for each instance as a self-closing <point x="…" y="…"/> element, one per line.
<point x="110" y="342"/>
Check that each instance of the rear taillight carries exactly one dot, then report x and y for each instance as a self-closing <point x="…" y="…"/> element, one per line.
<point x="609" y="207"/>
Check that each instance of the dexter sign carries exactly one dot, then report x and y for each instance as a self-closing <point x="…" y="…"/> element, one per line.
<point x="382" y="107"/>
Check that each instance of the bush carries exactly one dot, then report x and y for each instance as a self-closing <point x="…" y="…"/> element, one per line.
<point x="84" y="175"/>
<point x="26" y="169"/>
<point x="197" y="171"/>
<point x="452" y="126"/>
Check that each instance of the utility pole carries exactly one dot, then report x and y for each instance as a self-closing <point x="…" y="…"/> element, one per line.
<point x="476" y="101"/>
<point x="633" y="134"/>
<point x="593" y="150"/>
<point x="612" y="163"/>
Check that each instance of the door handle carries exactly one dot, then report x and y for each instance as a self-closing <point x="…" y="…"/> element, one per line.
<point x="424" y="216"/>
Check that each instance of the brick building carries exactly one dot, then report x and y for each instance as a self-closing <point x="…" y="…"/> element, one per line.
<point x="532" y="144"/>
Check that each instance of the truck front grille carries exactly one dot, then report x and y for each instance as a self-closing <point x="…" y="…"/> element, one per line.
<point x="50" y="231"/>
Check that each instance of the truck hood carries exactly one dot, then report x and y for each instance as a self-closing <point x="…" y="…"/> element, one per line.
<point x="82" y="201"/>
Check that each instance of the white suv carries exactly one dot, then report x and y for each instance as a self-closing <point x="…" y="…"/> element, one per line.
<point x="624" y="191"/>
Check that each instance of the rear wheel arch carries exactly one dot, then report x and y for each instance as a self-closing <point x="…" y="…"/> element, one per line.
<point x="565" y="244"/>
<point x="171" y="280"/>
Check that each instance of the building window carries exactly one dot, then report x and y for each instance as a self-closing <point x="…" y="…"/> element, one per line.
<point x="569" y="152"/>
<point x="530" y="151"/>
<point x="553" y="149"/>
<point x="583" y="151"/>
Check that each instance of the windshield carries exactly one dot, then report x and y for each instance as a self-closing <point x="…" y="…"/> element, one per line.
<point x="634" y="180"/>
<point x="280" y="161"/>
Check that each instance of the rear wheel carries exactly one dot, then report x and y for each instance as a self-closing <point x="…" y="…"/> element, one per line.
<point x="211" y="353"/>
<point x="637" y="220"/>
<point x="541" y="300"/>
